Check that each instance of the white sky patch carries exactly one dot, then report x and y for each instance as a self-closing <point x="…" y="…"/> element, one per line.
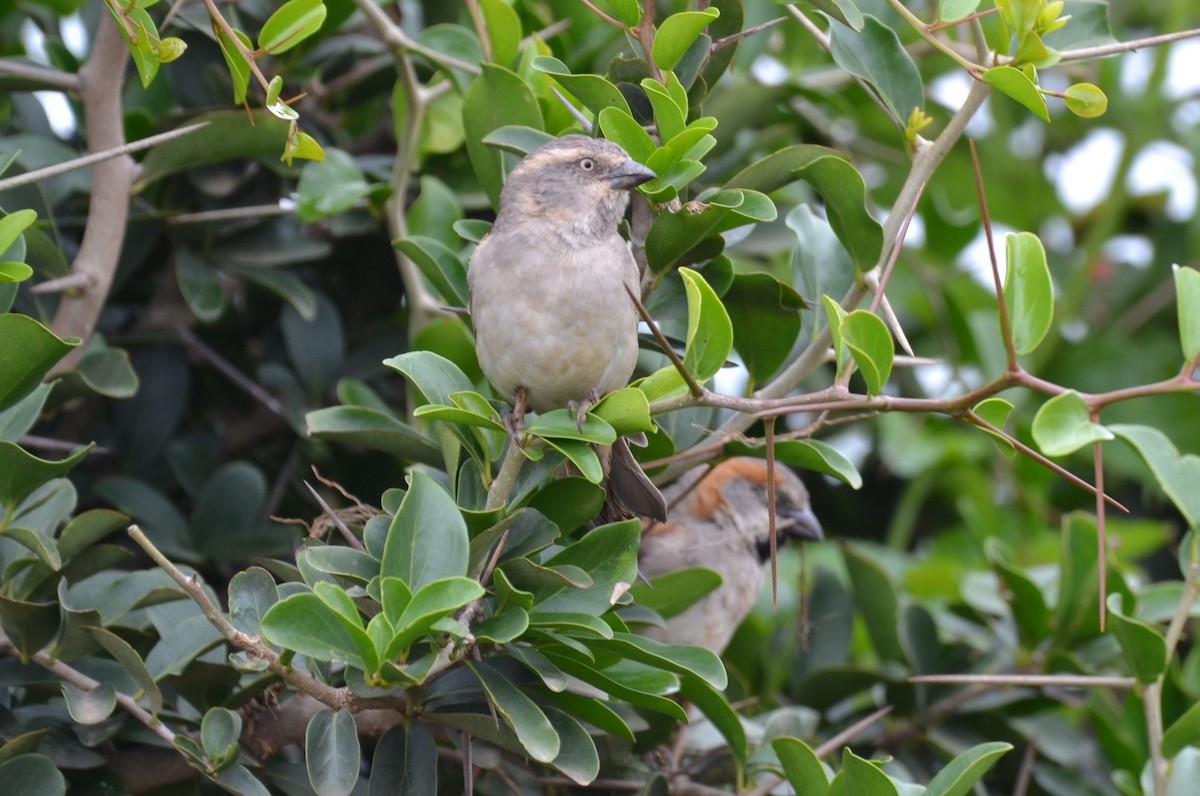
<point x="732" y="381"/>
<point x="1186" y="116"/>
<point x="1133" y="250"/>
<point x="1183" y="69"/>
<point x="1136" y="67"/>
<point x="58" y="112"/>
<point x="1084" y="174"/>
<point x="74" y="35"/>
<point x="1028" y="139"/>
<point x="767" y="70"/>
<point x="34" y="43"/>
<point x="1057" y="235"/>
<point x="914" y="238"/>
<point x="1165" y="166"/>
<point x="950" y="90"/>
<point x="975" y="261"/>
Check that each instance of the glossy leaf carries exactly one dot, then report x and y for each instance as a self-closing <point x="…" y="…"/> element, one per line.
<point x="329" y="186"/>
<point x="331" y="752"/>
<point x="228" y="135"/>
<point x="405" y="762"/>
<point x="875" y="595"/>
<point x="809" y="454"/>
<point x="1063" y="425"/>
<point x="710" y="333"/>
<point x="239" y="67"/>
<point x="954" y="10"/>
<point x="593" y="91"/>
<point x="959" y="776"/>
<point x="1017" y="85"/>
<point x="801" y="767"/>
<point x="1177" y="474"/>
<point x="672" y="593"/>
<point x="870" y="342"/>
<point x="839" y="183"/>
<point x="21" y="472"/>
<point x="995" y="412"/>
<point x="427" y="540"/>
<point x="861" y="777"/>
<point x="1187" y="302"/>
<point x="305" y="624"/>
<point x="503" y="30"/>
<point x="1085" y="100"/>
<point x="765" y="314"/>
<point x="674" y="234"/>
<point x="441" y="266"/>
<point x="292" y="23"/>
<point x="498" y="97"/>
<point x="1028" y="291"/>
<point x="876" y="55"/>
<point x="32" y="775"/>
<point x="12" y="225"/>
<point x="27" y="351"/>
<point x="677" y="33"/>
<point x="627" y="411"/>
<point x="124" y="654"/>
<point x="1142" y="644"/>
<point x="533" y="729"/>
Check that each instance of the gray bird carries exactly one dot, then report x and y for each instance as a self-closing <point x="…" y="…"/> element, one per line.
<point x="549" y="298"/>
<point x="718" y="520"/>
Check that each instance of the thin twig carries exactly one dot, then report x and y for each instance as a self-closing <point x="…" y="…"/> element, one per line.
<point x="350" y="538"/>
<point x="226" y="369"/>
<point x="1116" y="48"/>
<point x="1025" y="773"/>
<point x="734" y="38"/>
<point x="769" y="429"/>
<point x="1101" y="526"/>
<point x="1028" y="680"/>
<point x="694" y="387"/>
<point x="50" y="78"/>
<point x="1005" y="325"/>
<point x="85" y="683"/>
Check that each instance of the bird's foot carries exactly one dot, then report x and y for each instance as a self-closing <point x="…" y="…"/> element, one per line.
<point x="514" y="421"/>
<point x="581" y="408"/>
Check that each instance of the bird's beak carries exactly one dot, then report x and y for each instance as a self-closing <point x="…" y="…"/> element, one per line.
<point x="630" y="174"/>
<point x="800" y="524"/>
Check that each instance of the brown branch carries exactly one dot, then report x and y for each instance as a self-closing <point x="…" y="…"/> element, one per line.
<point x="100" y="85"/>
<point x="694" y="388"/>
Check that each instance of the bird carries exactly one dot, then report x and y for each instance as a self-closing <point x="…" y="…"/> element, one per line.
<point x="719" y="520"/>
<point x="551" y="289"/>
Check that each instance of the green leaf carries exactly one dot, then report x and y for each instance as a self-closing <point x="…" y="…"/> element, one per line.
<point x="498" y="97"/>
<point x="710" y="331"/>
<point x="954" y="10"/>
<point x="812" y="455"/>
<point x="672" y="593"/>
<point x="682" y="659"/>
<point x="432" y="603"/>
<point x="405" y="762"/>
<point x="581" y="455"/>
<point x="252" y="592"/>
<point x="434" y="376"/>
<point x="131" y="662"/>
<point x="371" y="428"/>
<point x="29" y="626"/>
<point x="868" y="338"/>
<point x="995" y="411"/>
<point x="627" y="411"/>
<point x="835" y="178"/>
<point x="330" y="186"/>
<point x="12" y="225"/>
<point x="609" y="555"/>
<point x="1142" y="644"/>
<point x="239" y="67"/>
<point x="1085" y="100"/>
<point x="331" y="752"/>
<point x="503" y="30"/>
<point x="670" y="106"/>
<point x="765" y="315"/>
<point x="1017" y="85"/>
<point x="593" y="91"/>
<point x="533" y="729"/>
<point x="801" y="767"/>
<point x="644" y="692"/>
<point x="677" y="33"/>
<point x="427" y="540"/>
<point x="441" y="266"/>
<point x="876" y="599"/>
<point x="627" y="11"/>
<point x="219" y="732"/>
<point x="27" y="351"/>
<point x="515" y="138"/>
<point x="577" y="756"/>
<point x="876" y="55"/>
<point x="1029" y="609"/>
<point x="675" y="234"/>
<point x="291" y="24"/>
<point x="621" y="128"/>
<point x="716" y="708"/>
<point x="561" y="424"/>
<point x="227" y="135"/>
<point x="1187" y="302"/>
<point x="200" y="286"/>
<point x="1183" y="732"/>
<point x="14" y="272"/>
<point x="1063" y="425"/>
<point x="21" y="472"/>
<point x="959" y="776"/>
<point x="303" y="623"/>
<point x="1177" y="474"/>
<point x="861" y="778"/>
<point x="32" y="775"/>
<point x="1028" y="291"/>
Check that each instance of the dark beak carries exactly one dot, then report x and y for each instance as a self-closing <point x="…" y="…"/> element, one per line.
<point x="800" y="524"/>
<point x="630" y="174"/>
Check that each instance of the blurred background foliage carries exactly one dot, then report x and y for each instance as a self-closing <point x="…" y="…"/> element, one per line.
<point x="251" y="292"/>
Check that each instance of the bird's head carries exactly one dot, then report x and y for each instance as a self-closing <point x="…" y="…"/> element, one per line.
<point x="575" y="182"/>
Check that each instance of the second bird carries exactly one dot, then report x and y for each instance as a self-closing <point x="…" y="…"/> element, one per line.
<point x="549" y="298"/>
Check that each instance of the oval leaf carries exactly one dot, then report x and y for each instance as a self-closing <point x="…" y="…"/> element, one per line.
<point x="1028" y="291"/>
<point x="331" y="752"/>
<point x="1063" y="425"/>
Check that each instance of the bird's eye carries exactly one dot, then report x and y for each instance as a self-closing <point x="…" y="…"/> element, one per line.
<point x="587" y="164"/>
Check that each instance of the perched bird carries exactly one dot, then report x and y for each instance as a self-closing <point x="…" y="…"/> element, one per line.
<point x="718" y="520"/>
<point x="554" y="322"/>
